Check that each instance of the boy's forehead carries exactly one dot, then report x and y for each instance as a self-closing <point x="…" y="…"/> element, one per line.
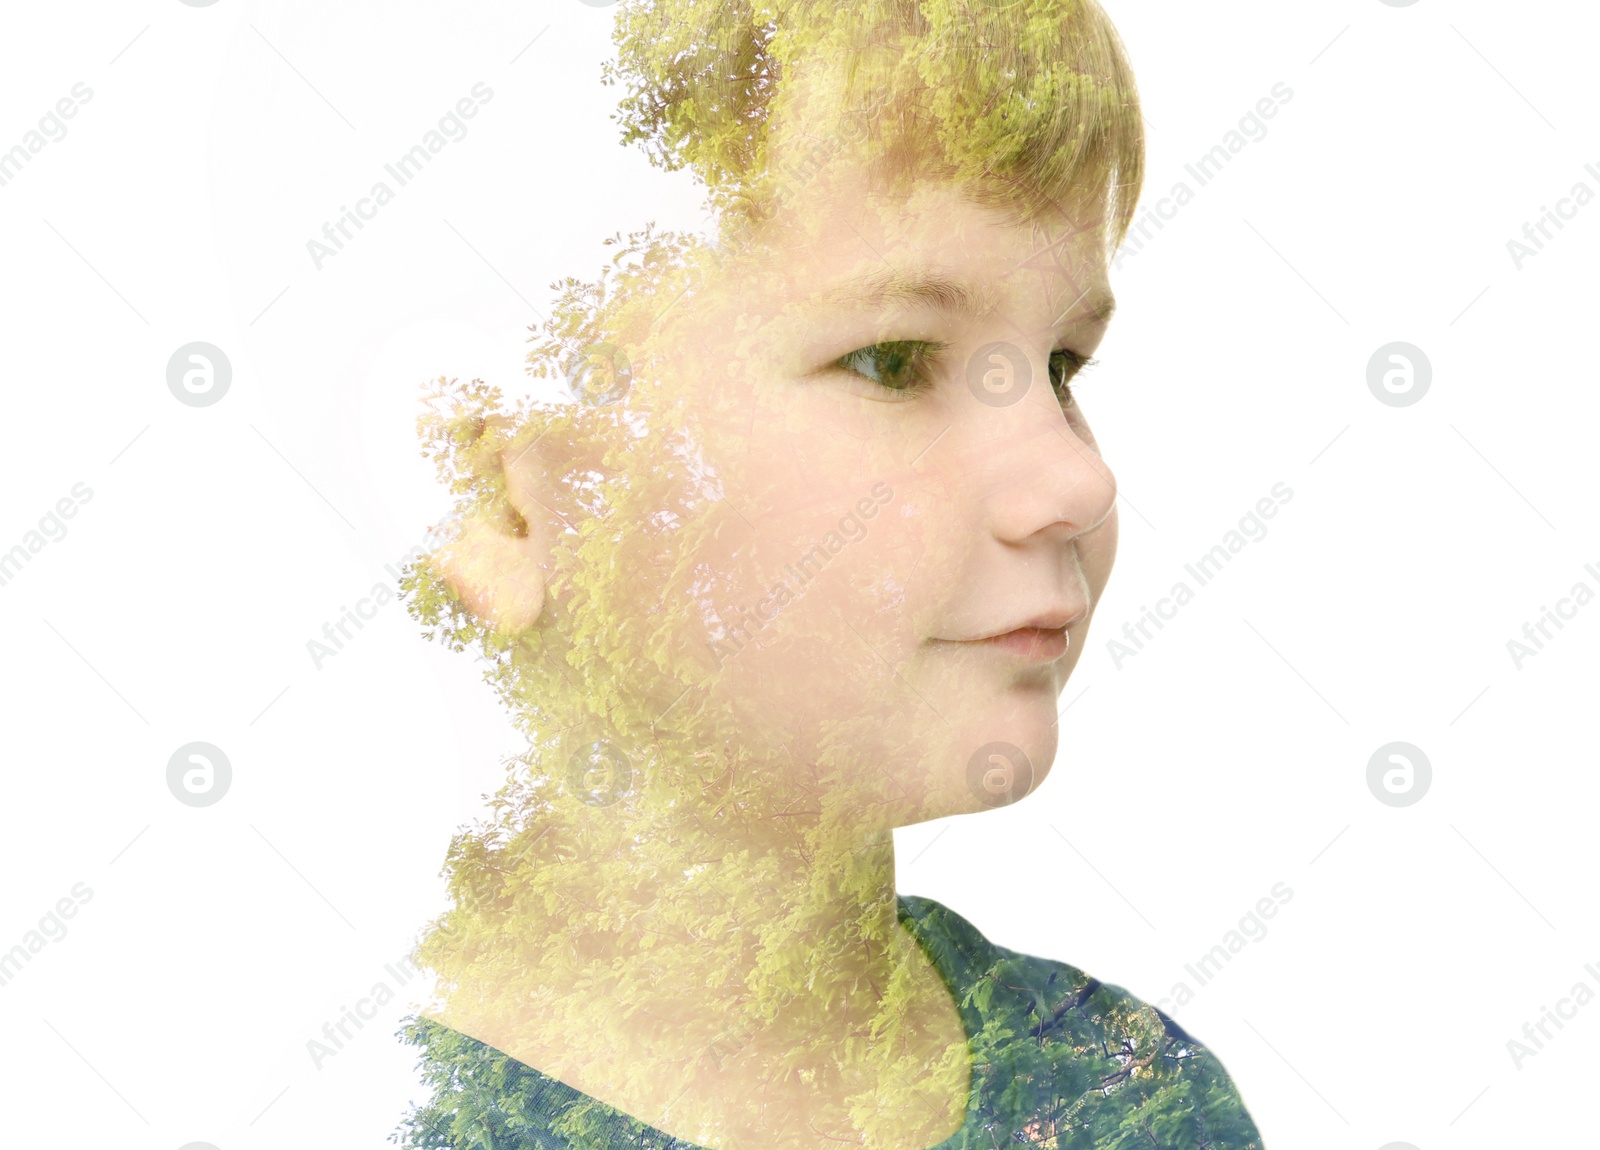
<point x="907" y="286"/>
<point x="842" y="246"/>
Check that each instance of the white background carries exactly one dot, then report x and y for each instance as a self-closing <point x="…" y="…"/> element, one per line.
<point x="1228" y="755"/>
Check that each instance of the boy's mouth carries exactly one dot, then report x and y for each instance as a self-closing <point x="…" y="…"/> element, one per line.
<point x="1041" y="638"/>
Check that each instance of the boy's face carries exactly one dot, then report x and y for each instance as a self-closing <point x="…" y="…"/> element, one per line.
<point x="879" y="388"/>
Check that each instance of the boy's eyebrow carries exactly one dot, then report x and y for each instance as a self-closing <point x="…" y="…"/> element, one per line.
<point x="1102" y="306"/>
<point x="925" y="288"/>
<point x="948" y="293"/>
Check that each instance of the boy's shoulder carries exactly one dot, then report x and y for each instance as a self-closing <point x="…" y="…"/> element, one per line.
<point x="1056" y="1050"/>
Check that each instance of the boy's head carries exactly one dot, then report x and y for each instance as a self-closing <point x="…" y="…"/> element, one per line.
<point x="1027" y="105"/>
<point x="849" y="459"/>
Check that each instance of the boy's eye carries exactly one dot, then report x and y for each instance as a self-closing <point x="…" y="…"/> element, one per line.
<point x="902" y="365"/>
<point x="899" y="365"/>
<point x="1065" y="364"/>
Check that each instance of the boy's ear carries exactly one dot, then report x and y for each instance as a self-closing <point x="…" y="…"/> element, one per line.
<point x="500" y="560"/>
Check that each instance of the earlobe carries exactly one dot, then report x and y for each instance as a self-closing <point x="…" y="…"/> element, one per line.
<point x="498" y="564"/>
<point x="501" y="561"/>
<point x="497" y="572"/>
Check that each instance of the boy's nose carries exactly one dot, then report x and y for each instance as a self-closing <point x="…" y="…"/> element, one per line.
<point x="1031" y="469"/>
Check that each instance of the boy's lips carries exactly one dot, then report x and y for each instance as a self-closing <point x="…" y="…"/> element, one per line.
<point x="1042" y="638"/>
<point x="1035" y="644"/>
<point x="1029" y="643"/>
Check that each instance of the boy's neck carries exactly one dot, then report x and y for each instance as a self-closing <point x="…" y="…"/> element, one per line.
<point x="819" y="938"/>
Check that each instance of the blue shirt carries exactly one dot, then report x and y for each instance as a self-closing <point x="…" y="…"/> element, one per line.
<point x="1059" y="1060"/>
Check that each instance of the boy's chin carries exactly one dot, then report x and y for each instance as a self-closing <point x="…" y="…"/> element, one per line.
<point x="990" y="762"/>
